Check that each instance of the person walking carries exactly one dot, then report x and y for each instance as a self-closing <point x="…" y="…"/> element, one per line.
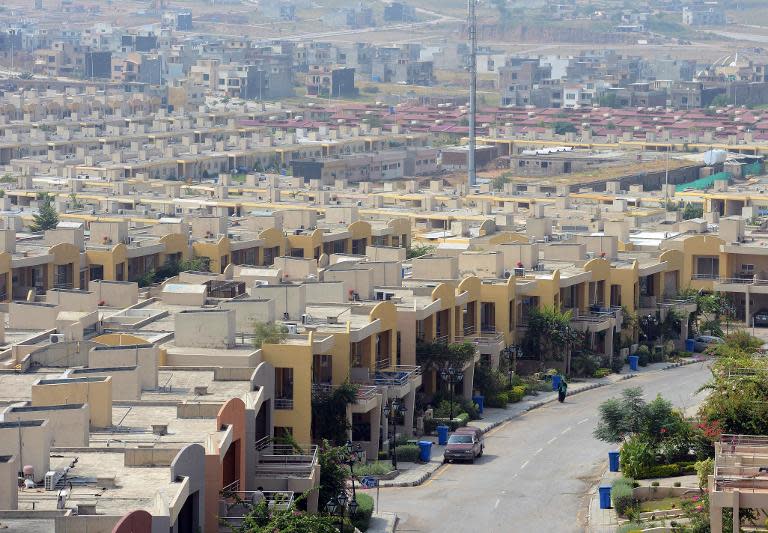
<point x="562" y="390"/>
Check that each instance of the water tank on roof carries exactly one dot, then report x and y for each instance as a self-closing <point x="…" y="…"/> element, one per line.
<point x="712" y="157"/>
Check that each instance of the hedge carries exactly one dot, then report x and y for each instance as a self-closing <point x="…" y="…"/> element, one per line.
<point x="362" y="519"/>
<point x="408" y="453"/>
<point x="683" y="468"/>
<point x="460" y="421"/>
<point x="602" y="372"/>
<point x="623" y="496"/>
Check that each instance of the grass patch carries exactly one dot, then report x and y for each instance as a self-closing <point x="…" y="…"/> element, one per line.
<point x="665" y="504"/>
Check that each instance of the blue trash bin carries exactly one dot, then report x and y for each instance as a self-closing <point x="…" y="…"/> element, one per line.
<point x="556" y="379"/>
<point x="480" y="401"/>
<point x="613" y="461"/>
<point x="605" y="497"/>
<point x="442" y="435"/>
<point x="425" y="451"/>
<point x="690" y="346"/>
<point x="633" y="360"/>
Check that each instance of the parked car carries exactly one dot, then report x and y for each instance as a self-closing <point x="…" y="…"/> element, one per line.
<point x="462" y="447"/>
<point x="702" y="342"/>
<point x="477" y="432"/>
<point x="761" y="318"/>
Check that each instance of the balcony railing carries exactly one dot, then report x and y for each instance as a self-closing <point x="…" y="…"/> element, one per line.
<point x="364" y="392"/>
<point x="676" y="302"/>
<point x="594" y="317"/>
<point x="705" y="276"/>
<point x="238" y="503"/>
<point x="284" y="403"/>
<point x="484" y="337"/>
<point x="284" y="460"/>
<point x="383" y="362"/>
<point x="400" y="375"/>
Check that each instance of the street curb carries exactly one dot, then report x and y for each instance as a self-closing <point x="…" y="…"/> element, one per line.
<point x="496" y="424"/>
<point x="681" y="363"/>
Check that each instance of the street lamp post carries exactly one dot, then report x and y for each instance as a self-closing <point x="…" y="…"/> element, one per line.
<point x="392" y="409"/>
<point x="452" y="376"/>
<point x="354" y="451"/>
<point x="339" y="504"/>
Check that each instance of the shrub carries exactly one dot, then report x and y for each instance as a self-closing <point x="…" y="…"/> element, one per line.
<point x="497" y="400"/>
<point x="643" y="359"/>
<point x="654" y="483"/>
<point x="617" y="364"/>
<point x="364" y="511"/>
<point x="602" y="372"/>
<point x="383" y="456"/>
<point x="516" y="393"/>
<point x="443" y="409"/>
<point x="408" y="453"/>
<point x="676" y="484"/>
<point x="459" y="422"/>
<point x="636" y="456"/>
<point x="623" y="497"/>
<point x="643" y="350"/>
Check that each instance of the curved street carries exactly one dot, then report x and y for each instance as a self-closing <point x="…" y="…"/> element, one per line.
<point x="536" y="469"/>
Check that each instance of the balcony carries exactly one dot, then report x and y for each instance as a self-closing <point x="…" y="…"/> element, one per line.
<point x="594" y="320"/>
<point x="236" y="504"/>
<point x="401" y="380"/>
<point x="741" y="284"/>
<point x="279" y="461"/>
<point x="686" y="305"/>
<point x="365" y="394"/>
<point x="487" y="342"/>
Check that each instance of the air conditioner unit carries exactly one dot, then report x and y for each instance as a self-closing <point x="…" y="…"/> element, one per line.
<point x="52" y="479"/>
<point x="305" y="318"/>
<point x="293" y="329"/>
<point x="56" y="338"/>
<point x="260" y="282"/>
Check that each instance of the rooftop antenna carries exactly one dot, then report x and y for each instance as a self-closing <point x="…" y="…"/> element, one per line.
<point x="472" y="177"/>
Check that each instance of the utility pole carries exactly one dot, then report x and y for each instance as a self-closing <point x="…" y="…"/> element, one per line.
<point x="472" y="177"/>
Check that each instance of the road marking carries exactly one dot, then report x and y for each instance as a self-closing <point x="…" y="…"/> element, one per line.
<point x="538" y="451"/>
<point x="524" y="465"/>
<point x="553" y="439"/>
<point x="498" y="501"/>
<point x="566" y="430"/>
<point x="582" y="421"/>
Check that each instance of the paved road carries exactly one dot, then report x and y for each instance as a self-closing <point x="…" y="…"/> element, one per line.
<point x="536" y="468"/>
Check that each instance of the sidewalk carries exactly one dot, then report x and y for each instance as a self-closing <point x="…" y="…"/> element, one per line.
<point x="602" y="520"/>
<point x="413" y="474"/>
<point x="383" y="523"/>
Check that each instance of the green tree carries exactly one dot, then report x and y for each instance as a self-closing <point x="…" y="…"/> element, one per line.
<point x="268" y="333"/>
<point x="46" y="218"/>
<point x="329" y="412"/>
<point x="692" y="211"/>
<point x="550" y="334"/>
<point x="333" y="471"/>
<point x="629" y="415"/>
<point x="438" y="355"/>
<point x="561" y="128"/>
